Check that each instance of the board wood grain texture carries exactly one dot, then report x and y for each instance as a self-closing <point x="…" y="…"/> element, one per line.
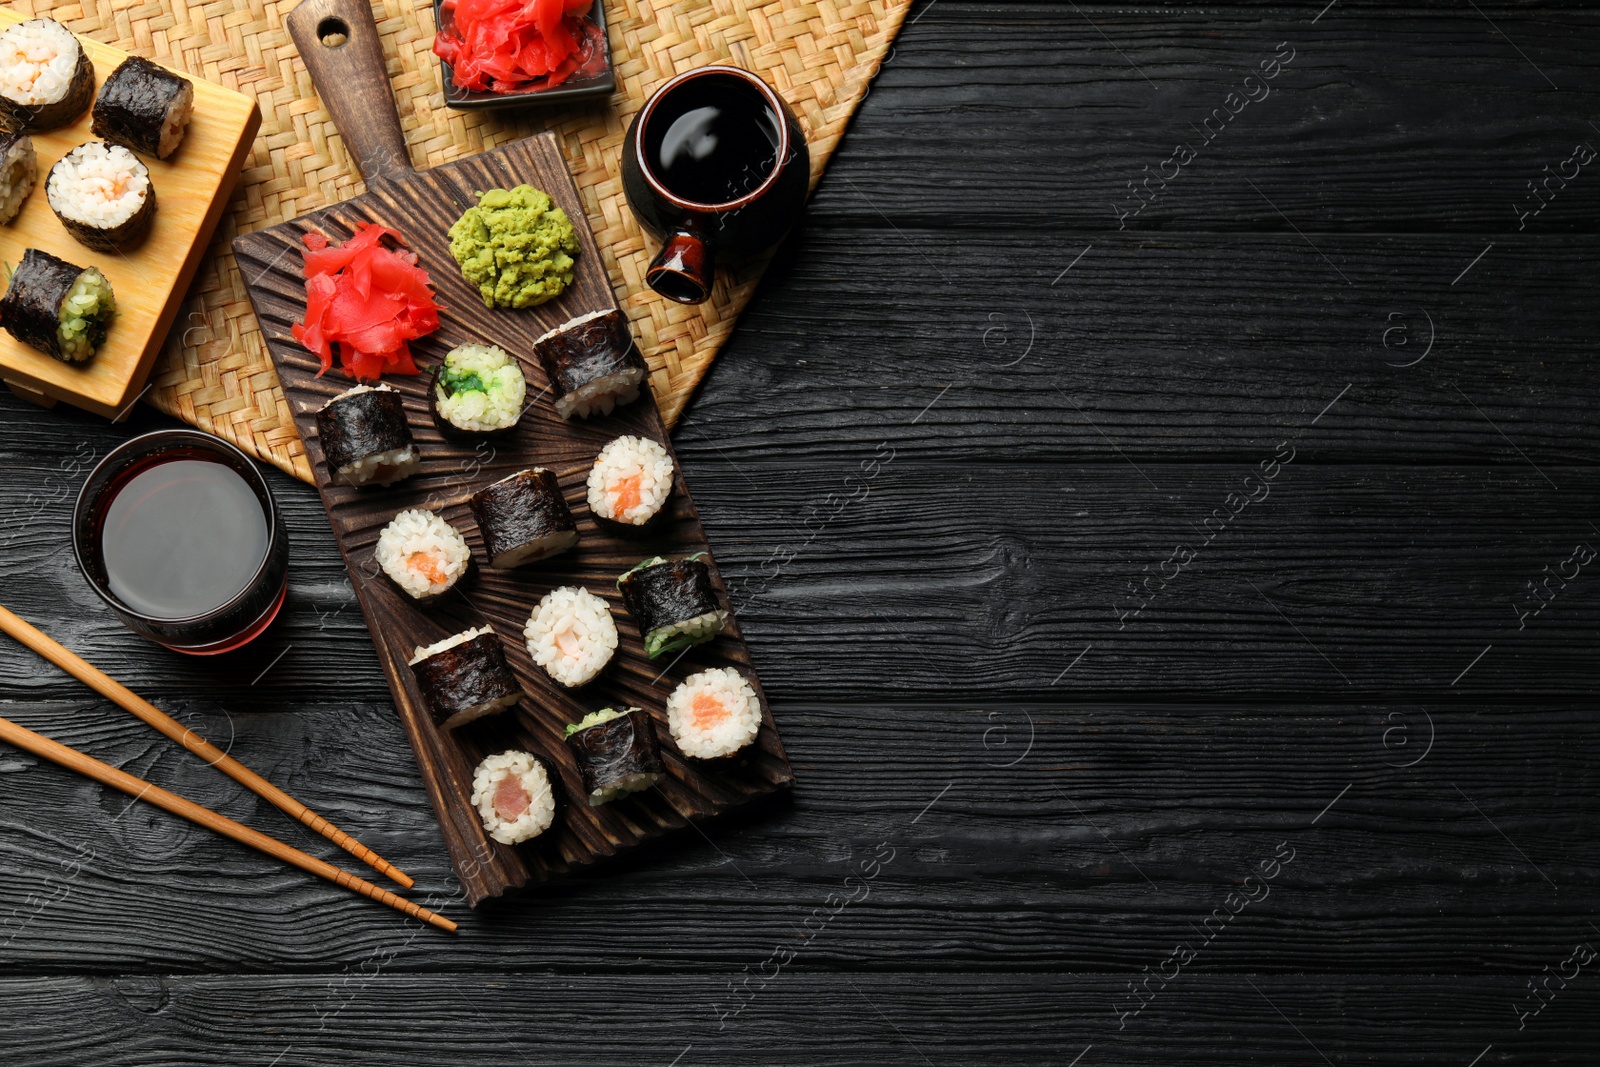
<point x="422" y="206"/>
<point x="151" y="280"/>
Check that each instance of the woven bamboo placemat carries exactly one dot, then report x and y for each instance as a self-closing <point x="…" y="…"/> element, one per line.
<point x="214" y="372"/>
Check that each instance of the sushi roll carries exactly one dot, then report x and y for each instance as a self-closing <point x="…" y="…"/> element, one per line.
<point x="465" y="677"/>
<point x="45" y="79"/>
<point x="713" y="714"/>
<point x="145" y="107"/>
<point x="478" y="390"/>
<point x="630" y="482"/>
<point x="571" y="635"/>
<point x="19" y="172"/>
<point x="674" y="603"/>
<point x="512" y="793"/>
<point x="523" y="518"/>
<point x="60" y="309"/>
<point x="102" y="195"/>
<point x="616" y="752"/>
<point x="424" y="555"/>
<point x="365" y="437"/>
<point x="592" y="364"/>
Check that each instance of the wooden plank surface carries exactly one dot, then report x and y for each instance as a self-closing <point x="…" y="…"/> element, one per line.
<point x="422" y="207"/>
<point x="927" y="625"/>
<point x="149" y="281"/>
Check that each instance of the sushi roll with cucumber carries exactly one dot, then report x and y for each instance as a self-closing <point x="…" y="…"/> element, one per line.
<point x="59" y="308"/>
<point x="465" y="677"/>
<point x="617" y="754"/>
<point x="512" y="793"/>
<point x="713" y="714"/>
<point x="422" y="553"/>
<point x="102" y="195"/>
<point x="592" y="364"/>
<point x="523" y="518"/>
<point x="630" y="482"/>
<point x="19" y="173"/>
<point x="365" y="437"/>
<point x="571" y="635"/>
<point x="478" y="390"/>
<point x="674" y="603"/>
<point x="45" y="79"/>
<point x="144" y="107"/>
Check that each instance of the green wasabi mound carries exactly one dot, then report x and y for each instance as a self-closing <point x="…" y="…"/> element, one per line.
<point x="516" y="246"/>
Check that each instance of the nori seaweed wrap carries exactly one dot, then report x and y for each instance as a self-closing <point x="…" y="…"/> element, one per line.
<point x="617" y="753"/>
<point x="674" y="603"/>
<point x="365" y="436"/>
<point x="145" y="107"/>
<point x="523" y="518"/>
<point x="465" y="677"/>
<point x="592" y="364"/>
<point x="56" y="307"/>
<point x="63" y="100"/>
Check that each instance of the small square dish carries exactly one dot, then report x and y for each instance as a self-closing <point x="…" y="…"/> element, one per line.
<point x="594" y="78"/>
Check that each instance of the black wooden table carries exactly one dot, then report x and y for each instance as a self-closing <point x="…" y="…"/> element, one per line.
<point x="1159" y="488"/>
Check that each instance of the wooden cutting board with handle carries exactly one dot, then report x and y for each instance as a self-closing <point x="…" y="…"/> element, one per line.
<point x="342" y="50"/>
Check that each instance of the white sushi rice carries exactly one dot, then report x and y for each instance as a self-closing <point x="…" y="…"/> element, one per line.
<point x="19" y="172"/>
<point x="512" y="793"/>
<point x="37" y="59"/>
<point x="630" y="480"/>
<point x="99" y="184"/>
<point x="569" y="324"/>
<point x="571" y="635"/>
<point x="424" y="554"/>
<point x="498" y="404"/>
<point x="713" y="713"/>
<point x="381" y="468"/>
<point x="424" y="651"/>
<point x="178" y="113"/>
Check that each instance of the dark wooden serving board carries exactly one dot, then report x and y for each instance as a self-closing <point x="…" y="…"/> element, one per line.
<point x="422" y="208"/>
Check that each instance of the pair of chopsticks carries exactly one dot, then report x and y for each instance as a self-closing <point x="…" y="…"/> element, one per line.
<point x="140" y="789"/>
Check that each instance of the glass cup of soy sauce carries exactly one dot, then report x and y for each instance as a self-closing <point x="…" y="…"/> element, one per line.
<point x="714" y="164"/>
<point x="178" y="533"/>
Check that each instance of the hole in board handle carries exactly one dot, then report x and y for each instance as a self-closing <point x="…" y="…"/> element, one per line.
<point x="332" y="32"/>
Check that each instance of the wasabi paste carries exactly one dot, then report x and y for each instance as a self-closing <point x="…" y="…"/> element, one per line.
<point x="516" y="246"/>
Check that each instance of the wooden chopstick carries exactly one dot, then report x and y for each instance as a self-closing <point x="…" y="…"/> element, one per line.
<point x="114" y="690"/>
<point x="140" y="789"/>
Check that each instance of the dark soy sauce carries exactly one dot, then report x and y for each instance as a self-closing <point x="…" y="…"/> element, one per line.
<point x="182" y="538"/>
<point x="715" y="140"/>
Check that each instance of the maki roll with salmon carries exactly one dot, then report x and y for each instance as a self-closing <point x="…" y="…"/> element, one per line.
<point x="145" y="107"/>
<point x="61" y="309"/>
<point x="365" y="437"/>
<point x="616" y="752"/>
<point x="571" y="635"/>
<point x="512" y="793"/>
<point x="629" y="483"/>
<point x="477" y="391"/>
<point x="523" y="518"/>
<point x="102" y="195"/>
<point x="45" y="79"/>
<point x="713" y="714"/>
<point x="592" y="364"/>
<point x="19" y="172"/>
<point x="674" y="603"/>
<point x="465" y="677"/>
<point x="422" y="553"/>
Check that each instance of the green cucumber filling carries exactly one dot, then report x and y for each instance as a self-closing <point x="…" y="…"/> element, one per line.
<point x="595" y="718"/>
<point x="480" y="387"/>
<point x="85" y="313"/>
<point x="681" y="635"/>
